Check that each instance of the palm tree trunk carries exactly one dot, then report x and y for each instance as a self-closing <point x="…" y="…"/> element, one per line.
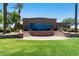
<point x="5" y="17"/>
<point x="76" y="17"/>
<point x="19" y="13"/>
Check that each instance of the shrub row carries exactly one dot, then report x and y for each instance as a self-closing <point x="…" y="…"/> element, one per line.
<point x="69" y="30"/>
<point x="1" y="30"/>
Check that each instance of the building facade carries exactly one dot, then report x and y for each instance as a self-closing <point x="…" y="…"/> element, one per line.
<point x="27" y="21"/>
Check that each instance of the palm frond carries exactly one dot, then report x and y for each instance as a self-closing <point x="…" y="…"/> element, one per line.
<point x="18" y="6"/>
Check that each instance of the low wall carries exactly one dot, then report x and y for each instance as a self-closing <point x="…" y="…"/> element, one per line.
<point x="41" y="33"/>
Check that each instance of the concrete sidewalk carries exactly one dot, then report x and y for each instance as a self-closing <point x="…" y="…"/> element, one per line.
<point x="57" y="36"/>
<point x="45" y="38"/>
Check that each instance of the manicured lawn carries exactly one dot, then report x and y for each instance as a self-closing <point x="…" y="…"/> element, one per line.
<point x="39" y="48"/>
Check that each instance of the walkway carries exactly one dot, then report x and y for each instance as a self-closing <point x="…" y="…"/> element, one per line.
<point x="58" y="35"/>
<point x="45" y="38"/>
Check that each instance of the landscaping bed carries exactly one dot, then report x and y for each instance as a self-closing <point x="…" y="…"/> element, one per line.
<point x="11" y="35"/>
<point x="71" y="34"/>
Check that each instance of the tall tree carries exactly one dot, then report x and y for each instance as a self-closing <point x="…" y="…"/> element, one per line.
<point x="5" y="16"/>
<point x="14" y="17"/>
<point x="0" y="10"/>
<point x="76" y="11"/>
<point x="69" y="20"/>
<point x="1" y="16"/>
<point x="19" y="6"/>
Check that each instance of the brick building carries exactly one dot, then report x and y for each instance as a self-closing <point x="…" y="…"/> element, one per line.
<point x="27" y="21"/>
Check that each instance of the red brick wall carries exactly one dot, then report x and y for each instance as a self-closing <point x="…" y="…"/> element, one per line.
<point x="39" y="20"/>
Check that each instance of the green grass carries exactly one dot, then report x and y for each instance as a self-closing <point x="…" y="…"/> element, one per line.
<point x="13" y="47"/>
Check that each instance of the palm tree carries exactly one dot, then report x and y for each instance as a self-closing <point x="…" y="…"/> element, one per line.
<point x="0" y="11"/>
<point x="5" y="16"/>
<point x="1" y="16"/>
<point x="19" y="6"/>
<point x="76" y="7"/>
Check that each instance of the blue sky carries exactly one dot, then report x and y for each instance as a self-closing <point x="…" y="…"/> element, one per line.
<point x="48" y="10"/>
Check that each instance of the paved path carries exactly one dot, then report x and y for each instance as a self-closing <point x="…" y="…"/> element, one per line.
<point x="58" y="33"/>
<point x="45" y="38"/>
<point x="26" y="34"/>
<point x="57" y="36"/>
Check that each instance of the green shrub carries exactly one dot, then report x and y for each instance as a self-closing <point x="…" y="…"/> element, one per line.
<point x="12" y="29"/>
<point x="1" y="30"/>
<point x="71" y="30"/>
<point x="8" y="30"/>
<point x="65" y="29"/>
